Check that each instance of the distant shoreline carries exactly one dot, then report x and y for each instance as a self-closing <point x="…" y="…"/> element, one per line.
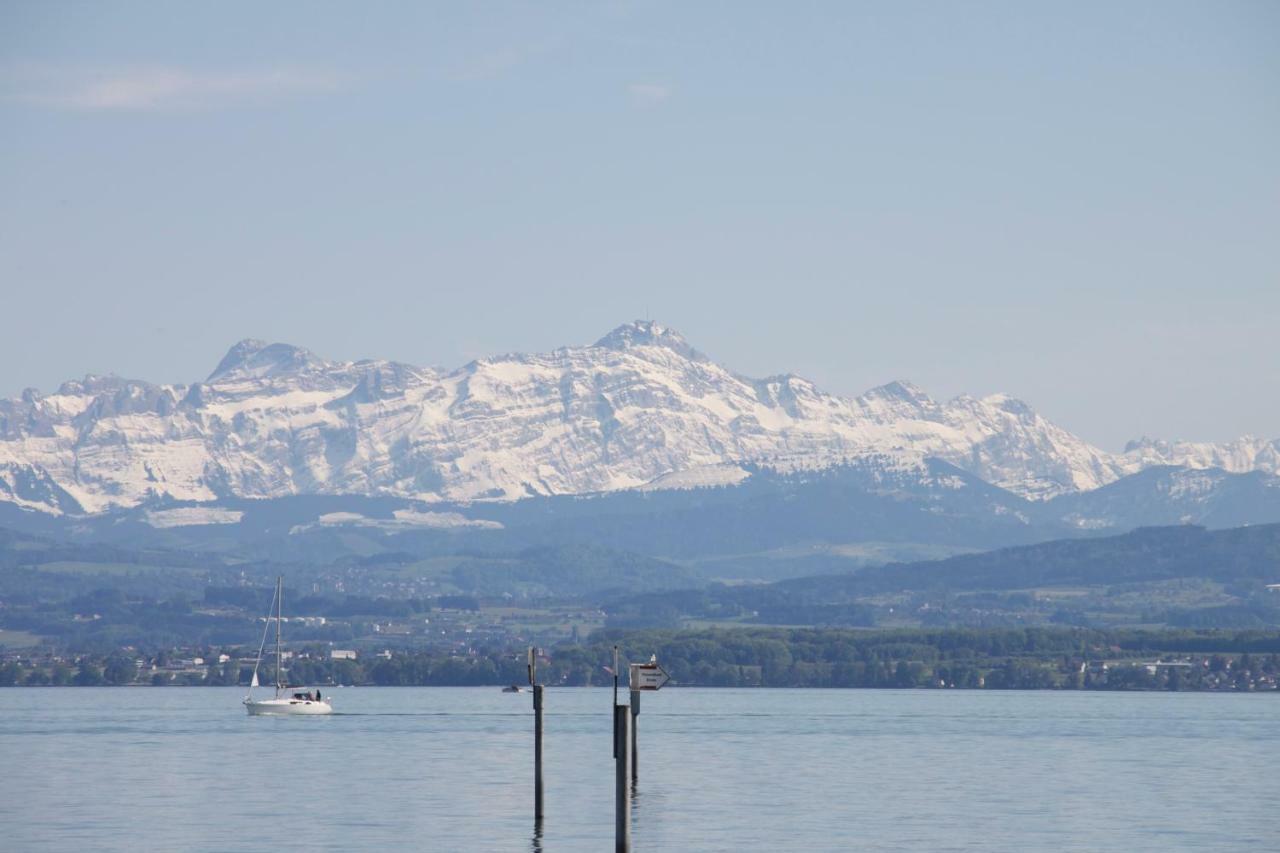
<point x="941" y="659"/>
<point x="623" y="689"/>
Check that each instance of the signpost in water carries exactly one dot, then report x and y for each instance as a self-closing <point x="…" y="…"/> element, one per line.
<point x="643" y="676"/>
<point x="648" y="676"/>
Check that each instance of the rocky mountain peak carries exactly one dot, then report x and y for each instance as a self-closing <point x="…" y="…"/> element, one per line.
<point x="1145" y="443"/>
<point x="91" y="384"/>
<point x="902" y="391"/>
<point x="252" y="358"/>
<point x="1010" y="405"/>
<point x="641" y="333"/>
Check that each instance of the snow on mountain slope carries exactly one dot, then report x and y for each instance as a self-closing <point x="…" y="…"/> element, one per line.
<point x="639" y="407"/>
<point x="1163" y="495"/>
<point x="1240" y="456"/>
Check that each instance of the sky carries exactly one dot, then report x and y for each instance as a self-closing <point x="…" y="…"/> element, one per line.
<point x="1074" y="203"/>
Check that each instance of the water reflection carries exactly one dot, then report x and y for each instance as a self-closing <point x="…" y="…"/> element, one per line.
<point x="536" y="844"/>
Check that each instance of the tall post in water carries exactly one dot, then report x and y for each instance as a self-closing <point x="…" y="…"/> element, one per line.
<point x="615" y="701"/>
<point x="537" y="734"/>
<point x="622" y="782"/>
<point x="537" y="751"/>
<point x="635" y="719"/>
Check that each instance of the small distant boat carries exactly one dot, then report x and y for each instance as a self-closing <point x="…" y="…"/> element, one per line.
<point x="515" y="688"/>
<point x="288" y="701"/>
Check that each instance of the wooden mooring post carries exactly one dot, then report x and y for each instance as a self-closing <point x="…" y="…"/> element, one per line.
<point x="537" y="733"/>
<point x="615" y="701"/>
<point x="537" y="751"/>
<point x="622" y="780"/>
<point x="635" y="748"/>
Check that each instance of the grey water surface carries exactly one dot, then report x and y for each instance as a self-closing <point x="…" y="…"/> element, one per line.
<point x="444" y="769"/>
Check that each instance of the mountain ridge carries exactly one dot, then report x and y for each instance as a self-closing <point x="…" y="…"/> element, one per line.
<point x="638" y="408"/>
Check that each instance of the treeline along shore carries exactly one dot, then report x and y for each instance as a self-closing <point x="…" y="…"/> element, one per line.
<point x="1032" y="658"/>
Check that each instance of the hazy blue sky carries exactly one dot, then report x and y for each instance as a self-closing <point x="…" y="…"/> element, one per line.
<point x="1078" y="204"/>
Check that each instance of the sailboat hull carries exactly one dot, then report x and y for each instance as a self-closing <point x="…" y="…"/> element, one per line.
<point x="286" y="707"/>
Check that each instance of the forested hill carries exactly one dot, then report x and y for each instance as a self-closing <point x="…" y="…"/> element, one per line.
<point x="1145" y="554"/>
<point x="1181" y="576"/>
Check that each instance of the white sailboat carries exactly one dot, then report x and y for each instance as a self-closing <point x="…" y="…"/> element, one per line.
<point x="288" y="700"/>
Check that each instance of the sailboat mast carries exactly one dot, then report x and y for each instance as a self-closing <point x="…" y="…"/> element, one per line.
<point x="279" y="618"/>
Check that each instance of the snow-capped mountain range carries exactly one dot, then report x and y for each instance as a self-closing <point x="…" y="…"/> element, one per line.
<point x="640" y="408"/>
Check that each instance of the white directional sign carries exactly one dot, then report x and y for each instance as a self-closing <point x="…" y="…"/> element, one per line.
<point x="648" y="676"/>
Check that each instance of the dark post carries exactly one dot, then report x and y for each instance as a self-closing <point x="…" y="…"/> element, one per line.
<point x="635" y="719"/>
<point x="615" y="701"/>
<point x="537" y="751"/>
<point x="622" y="784"/>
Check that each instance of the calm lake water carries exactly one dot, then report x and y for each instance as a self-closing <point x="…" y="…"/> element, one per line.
<point x="134" y="769"/>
